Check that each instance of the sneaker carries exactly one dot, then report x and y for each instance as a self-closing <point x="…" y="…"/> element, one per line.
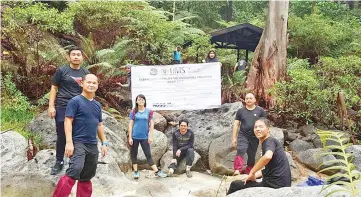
<point x="236" y="172"/>
<point x="171" y="171"/>
<point x="58" y="167"/>
<point x="189" y="173"/>
<point x="160" y="174"/>
<point x="136" y="175"/>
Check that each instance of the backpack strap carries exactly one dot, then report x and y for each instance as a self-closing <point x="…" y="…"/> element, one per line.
<point x="150" y="115"/>
<point x="133" y="114"/>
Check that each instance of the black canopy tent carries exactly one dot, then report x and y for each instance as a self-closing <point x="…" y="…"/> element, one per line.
<point x="243" y="36"/>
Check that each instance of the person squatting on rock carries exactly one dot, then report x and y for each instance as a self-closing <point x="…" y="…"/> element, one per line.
<point x="273" y="166"/>
<point x="140" y="130"/>
<point x="183" y="140"/>
<point x="83" y="121"/>
<point x="65" y="85"/>
<point x="246" y="141"/>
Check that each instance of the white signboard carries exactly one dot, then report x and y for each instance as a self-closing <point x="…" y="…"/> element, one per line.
<point x="178" y="87"/>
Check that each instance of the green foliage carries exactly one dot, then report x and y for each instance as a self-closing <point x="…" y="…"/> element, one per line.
<point x="15" y="108"/>
<point x="323" y="29"/>
<point x="47" y="19"/>
<point x="343" y="163"/>
<point x="310" y="92"/>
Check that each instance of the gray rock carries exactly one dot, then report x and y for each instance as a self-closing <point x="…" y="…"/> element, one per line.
<point x="166" y="160"/>
<point x="45" y="128"/>
<point x="316" y="141"/>
<point x="289" y="191"/>
<point x="345" y="135"/>
<point x="221" y="155"/>
<point x="295" y="173"/>
<point x="31" y="184"/>
<point x="278" y="134"/>
<point x="311" y="159"/>
<point x="291" y="136"/>
<point x="356" y="151"/>
<point x="158" y="147"/>
<point x="208" y="125"/>
<point x="153" y="188"/>
<point x="13" y="151"/>
<point x="299" y="145"/>
<point x="160" y="123"/>
<point x="308" y="138"/>
<point x="307" y="130"/>
<point x="115" y="131"/>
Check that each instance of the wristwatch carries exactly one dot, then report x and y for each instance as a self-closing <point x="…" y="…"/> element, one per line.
<point x="105" y="144"/>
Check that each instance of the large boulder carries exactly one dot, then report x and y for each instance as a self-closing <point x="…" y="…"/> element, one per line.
<point x="295" y="173"/>
<point x="160" y="123"/>
<point x="166" y="160"/>
<point x="221" y="152"/>
<point x="13" y="151"/>
<point x="312" y="160"/>
<point x="108" y="180"/>
<point x="300" y="145"/>
<point x="115" y="131"/>
<point x="355" y="150"/>
<point x="207" y="125"/>
<point x="43" y="126"/>
<point x="30" y="184"/>
<point x="158" y="147"/>
<point x="314" y="191"/>
<point x="221" y="155"/>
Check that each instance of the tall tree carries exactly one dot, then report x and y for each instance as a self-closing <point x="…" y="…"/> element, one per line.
<point x="269" y="60"/>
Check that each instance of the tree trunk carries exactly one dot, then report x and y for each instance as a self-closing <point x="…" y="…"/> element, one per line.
<point x="269" y="59"/>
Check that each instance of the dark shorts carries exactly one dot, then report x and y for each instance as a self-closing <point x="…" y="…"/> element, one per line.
<point x="83" y="163"/>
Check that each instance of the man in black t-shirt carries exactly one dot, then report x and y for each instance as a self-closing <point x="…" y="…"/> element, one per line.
<point x="65" y="85"/>
<point x="273" y="166"/>
<point x="83" y="122"/>
<point x="244" y="138"/>
<point x="183" y="140"/>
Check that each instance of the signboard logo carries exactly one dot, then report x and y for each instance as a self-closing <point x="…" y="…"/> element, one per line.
<point x="153" y="71"/>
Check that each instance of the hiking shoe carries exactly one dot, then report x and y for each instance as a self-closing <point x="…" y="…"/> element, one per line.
<point x="189" y="173"/>
<point x="160" y="174"/>
<point x="136" y="175"/>
<point x="58" y="167"/>
<point x="171" y="171"/>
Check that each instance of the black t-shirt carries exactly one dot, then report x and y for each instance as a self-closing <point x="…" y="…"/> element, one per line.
<point x="87" y="115"/>
<point x="277" y="172"/>
<point x="248" y="118"/>
<point x="68" y="81"/>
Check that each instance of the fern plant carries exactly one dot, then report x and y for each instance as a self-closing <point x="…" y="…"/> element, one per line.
<point x="350" y="178"/>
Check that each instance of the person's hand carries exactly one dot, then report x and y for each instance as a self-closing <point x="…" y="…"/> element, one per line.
<point x="104" y="151"/>
<point x="178" y="153"/>
<point x="51" y="112"/>
<point x="250" y="177"/>
<point x="120" y="84"/>
<point x="130" y="141"/>
<point x="69" y="149"/>
<point x="149" y="140"/>
<point x="234" y="143"/>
